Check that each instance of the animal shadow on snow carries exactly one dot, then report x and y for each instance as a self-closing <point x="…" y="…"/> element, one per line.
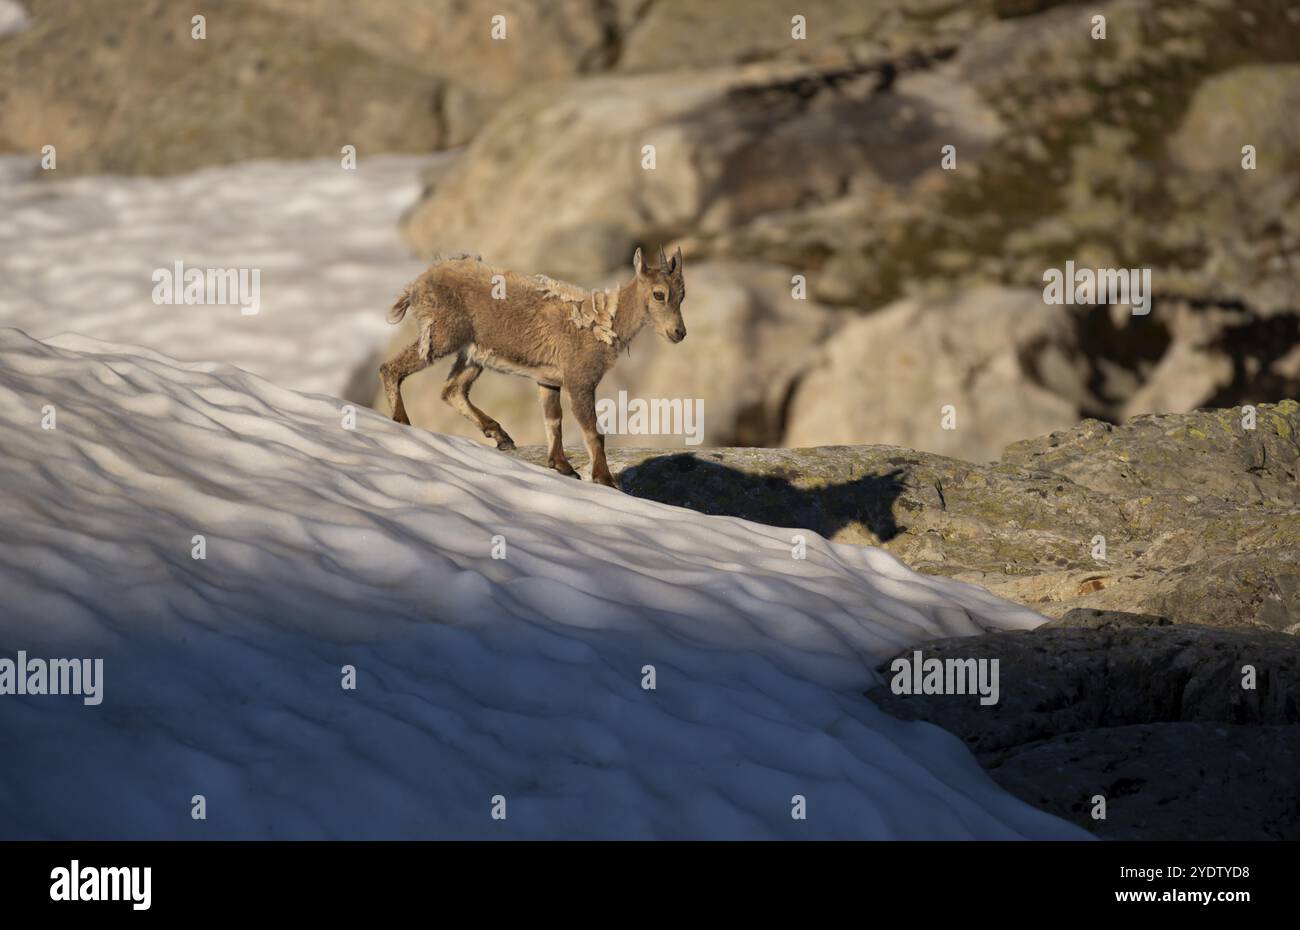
<point x="685" y="480"/>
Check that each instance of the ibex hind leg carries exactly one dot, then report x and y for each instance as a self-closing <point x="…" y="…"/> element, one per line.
<point x="433" y="343"/>
<point x="393" y="372"/>
<point x="460" y="379"/>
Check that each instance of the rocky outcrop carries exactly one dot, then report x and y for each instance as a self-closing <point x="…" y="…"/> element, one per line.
<point x="567" y="181"/>
<point x="1132" y="160"/>
<point x="476" y="69"/>
<point x="1186" y="732"/>
<point x="123" y="87"/>
<point x="1192" y="517"/>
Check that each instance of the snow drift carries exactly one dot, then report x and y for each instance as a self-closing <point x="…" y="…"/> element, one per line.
<point x="80" y="255"/>
<point x="477" y="677"/>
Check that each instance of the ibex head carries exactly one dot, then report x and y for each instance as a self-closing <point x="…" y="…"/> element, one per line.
<point x="662" y="290"/>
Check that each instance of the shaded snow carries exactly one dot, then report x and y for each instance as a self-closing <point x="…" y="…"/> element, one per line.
<point x="78" y="255"/>
<point x="476" y="676"/>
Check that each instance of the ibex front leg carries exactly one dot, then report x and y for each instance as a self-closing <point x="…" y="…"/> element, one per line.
<point x="553" y="417"/>
<point x="583" y="401"/>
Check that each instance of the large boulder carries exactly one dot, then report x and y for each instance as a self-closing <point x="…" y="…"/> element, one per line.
<point x="887" y="377"/>
<point x="561" y="182"/>
<point x="1243" y="221"/>
<point x="124" y="88"/>
<point x="1252" y="105"/>
<point x="454" y="41"/>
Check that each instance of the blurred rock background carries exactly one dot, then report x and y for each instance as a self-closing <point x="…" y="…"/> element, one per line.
<point x="775" y="158"/>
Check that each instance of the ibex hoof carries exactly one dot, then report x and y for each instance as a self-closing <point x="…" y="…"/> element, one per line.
<point x="503" y="441"/>
<point x="608" y="481"/>
<point x="564" y="468"/>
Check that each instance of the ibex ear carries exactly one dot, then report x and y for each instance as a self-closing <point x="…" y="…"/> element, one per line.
<point x="636" y="261"/>
<point x="675" y="263"/>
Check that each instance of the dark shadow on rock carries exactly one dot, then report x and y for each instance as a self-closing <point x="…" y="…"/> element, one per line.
<point x="1190" y="732"/>
<point x="1254" y="347"/>
<point x="687" y="480"/>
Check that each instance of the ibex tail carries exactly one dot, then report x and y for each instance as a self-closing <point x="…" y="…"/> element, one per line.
<point x="401" y="305"/>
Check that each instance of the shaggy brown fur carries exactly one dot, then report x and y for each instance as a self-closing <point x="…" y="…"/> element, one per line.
<point x="560" y="335"/>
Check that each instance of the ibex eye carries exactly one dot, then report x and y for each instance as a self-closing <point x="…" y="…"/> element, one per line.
<point x="660" y="295"/>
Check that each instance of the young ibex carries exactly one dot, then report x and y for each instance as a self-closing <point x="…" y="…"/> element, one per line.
<point x="558" y="334"/>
